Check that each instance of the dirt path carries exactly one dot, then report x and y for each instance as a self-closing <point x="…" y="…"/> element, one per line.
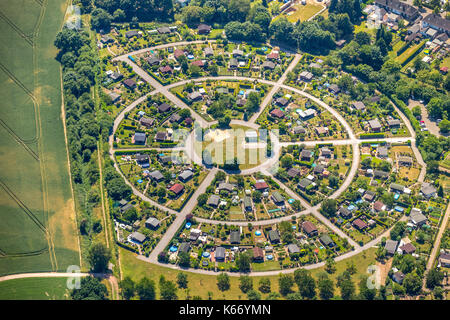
<point x="105" y="225"/>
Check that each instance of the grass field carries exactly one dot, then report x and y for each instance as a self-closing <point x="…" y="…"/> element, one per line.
<point x="38" y="230"/>
<point x="200" y="284"/>
<point x="34" y="289"/>
<point x="304" y="12"/>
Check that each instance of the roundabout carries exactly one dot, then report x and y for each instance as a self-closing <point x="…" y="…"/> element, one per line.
<point x="239" y="141"/>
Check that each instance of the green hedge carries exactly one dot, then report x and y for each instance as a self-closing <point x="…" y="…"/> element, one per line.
<point x="371" y="136"/>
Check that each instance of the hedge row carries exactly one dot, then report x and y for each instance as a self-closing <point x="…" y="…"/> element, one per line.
<point x="371" y="136"/>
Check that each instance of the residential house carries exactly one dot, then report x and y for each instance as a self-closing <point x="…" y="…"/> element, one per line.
<point x="310" y="229"/>
<point x="248" y="204"/>
<point x="344" y="212"/>
<point x="203" y="29"/>
<point x="277" y="198"/>
<point x="235" y="237"/>
<point x="416" y="217"/>
<point x="156" y="175"/>
<point x="277" y="113"/>
<point x="375" y="125"/>
<point x="408" y="248"/>
<point x="139" y="138"/>
<point x="293" y="248"/>
<point x="186" y="175"/>
<point x="326" y="240"/>
<point x="152" y="223"/>
<point x="138" y="237"/>
<point x="274" y="236"/>
<point x="219" y="254"/>
<point x="391" y="247"/>
<point x="428" y="190"/>
<point x="258" y="254"/>
<point x="163" y="107"/>
<point x="213" y="200"/>
<point x="129" y="83"/>
<point x="359" y="224"/>
<point x="177" y="189"/>
<point x="147" y="122"/>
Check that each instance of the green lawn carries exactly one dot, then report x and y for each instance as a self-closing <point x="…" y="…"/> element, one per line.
<point x="34" y="289"/>
<point x="200" y="284"/>
<point x="303" y="12"/>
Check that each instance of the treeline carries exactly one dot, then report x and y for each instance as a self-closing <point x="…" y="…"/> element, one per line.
<point x="126" y="10"/>
<point x="300" y="285"/>
<point x="85" y="125"/>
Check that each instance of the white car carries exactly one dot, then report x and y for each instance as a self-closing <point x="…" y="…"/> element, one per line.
<point x="424" y="129"/>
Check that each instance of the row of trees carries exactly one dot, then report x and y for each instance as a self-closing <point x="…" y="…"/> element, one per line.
<point x="85" y="126"/>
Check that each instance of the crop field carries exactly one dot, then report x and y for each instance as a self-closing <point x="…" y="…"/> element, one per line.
<point x="34" y="289"/>
<point x="38" y="230"/>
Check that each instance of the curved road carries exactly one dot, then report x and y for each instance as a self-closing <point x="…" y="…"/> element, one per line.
<point x="353" y="141"/>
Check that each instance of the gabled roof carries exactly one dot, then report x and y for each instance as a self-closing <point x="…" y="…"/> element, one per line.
<point x="177" y="188"/>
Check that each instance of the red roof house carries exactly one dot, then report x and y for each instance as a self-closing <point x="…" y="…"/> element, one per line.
<point x="177" y="188"/>
<point x="277" y="113"/>
<point x="261" y="185"/>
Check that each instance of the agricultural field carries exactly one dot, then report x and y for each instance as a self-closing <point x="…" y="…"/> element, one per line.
<point x="41" y="235"/>
<point x="34" y="289"/>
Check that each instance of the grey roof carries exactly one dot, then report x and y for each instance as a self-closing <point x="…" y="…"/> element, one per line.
<point x="184" y="247"/>
<point x="380" y="173"/>
<point x="299" y="129"/>
<point x="247" y="202"/>
<point x="427" y="189"/>
<point x="220" y="253"/>
<point x="185" y="175"/>
<point x="344" y="212"/>
<point x="397" y="187"/>
<point x="157" y="175"/>
<point x="391" y="246"/>
<point x="213" y="200"/>
<point x="417" y="217"/>
<point x="399" y="7"/>
<point x="139" y="137"/>
<point x="382" y="151"/>
<point x="277" y="197"/>
<point x="268" y="65"/>
<point x="226" y="186"/>
<point x="138" y="236"/>
<point x="163" y="107"/>
<point x="293" y="172"/>
<point x="152" y="221"/>
<point x="235" y="236"/>
<point x="358" y="105"/>
<point x="436" y="21"/>
<point x="126" y="207"/>
<point x="131" y="33"/>
<point x="304" y="183"/>
<point x="273" y="235"/>
<point x="375" y="124"/>
<point x="326" y="240"/>
<point x="293" y="248"/>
